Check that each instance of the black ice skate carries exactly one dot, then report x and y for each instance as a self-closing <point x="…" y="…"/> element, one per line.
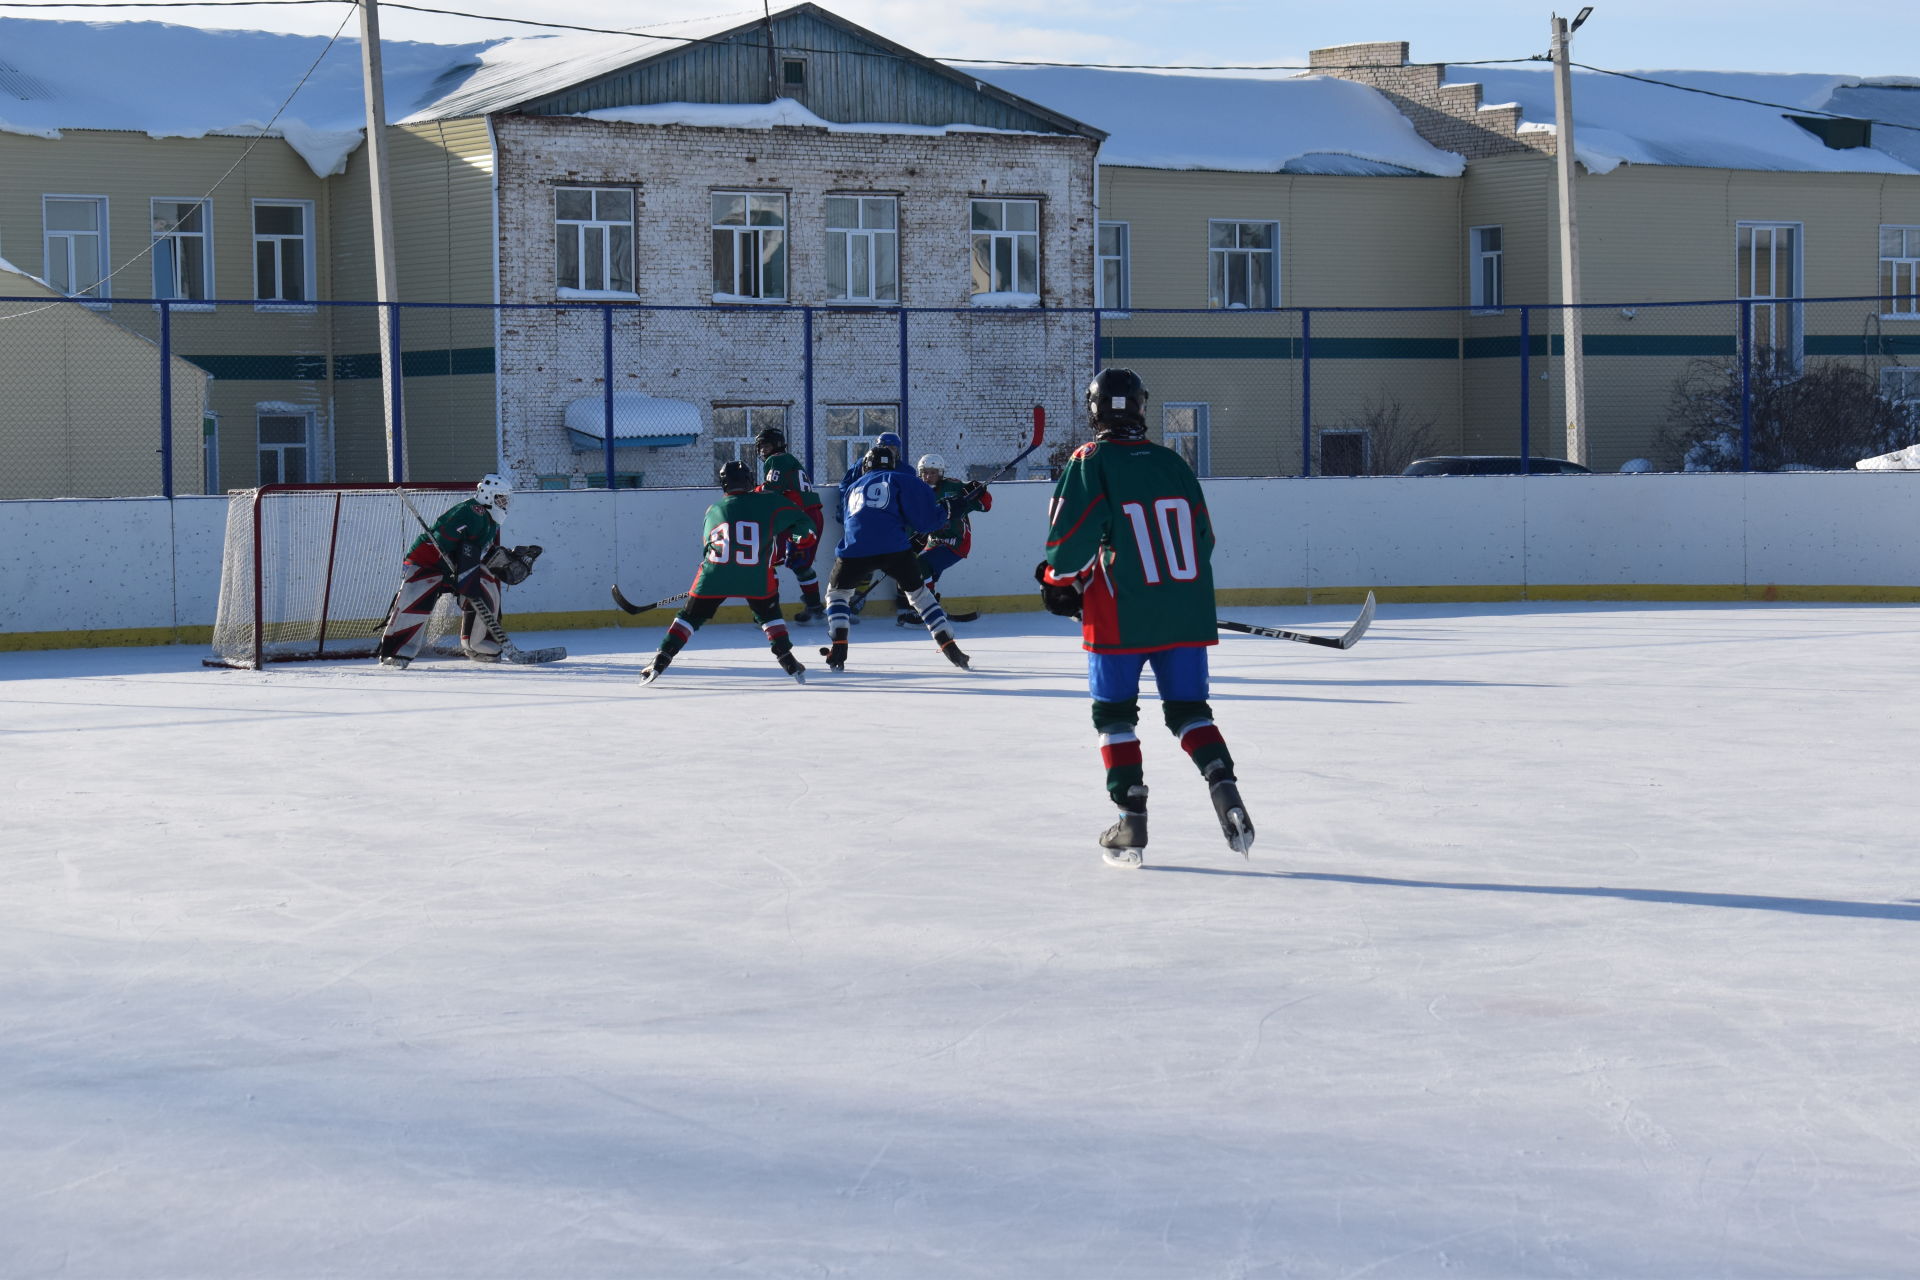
<point x="399" y="662"/>
<point x="811" y="613"/>
<point x="950" y="647"/>
<point x="1124" y="843"/>
<point x="653" y="670"/>
<point x="836" y="655"/>
<point x="791" y="665"/>
<point x="1235" y="825"/>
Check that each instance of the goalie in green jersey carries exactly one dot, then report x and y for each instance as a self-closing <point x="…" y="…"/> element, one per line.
<point x="742" y="530"/>
<point x="1129" y="553"/>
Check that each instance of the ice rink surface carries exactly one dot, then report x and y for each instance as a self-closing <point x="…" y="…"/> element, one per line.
<point x="1579" y="941"/>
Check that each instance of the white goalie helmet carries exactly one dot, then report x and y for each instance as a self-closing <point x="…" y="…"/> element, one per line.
<point x="932" y="462"/>
<point x="493" y="491"/>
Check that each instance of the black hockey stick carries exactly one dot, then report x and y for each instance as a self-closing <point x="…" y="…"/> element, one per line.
<point x="509" y="651"/>
<point x="631" y="607"/>
<point x="1039" y="430"/>
<point x="1347" y="641"/>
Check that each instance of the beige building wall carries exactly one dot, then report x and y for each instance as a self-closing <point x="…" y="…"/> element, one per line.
<point x="80" y="416"/>
<point x="1344" y="242"/>
<point x="442" y="178"/>
<point x="130" y="170"/>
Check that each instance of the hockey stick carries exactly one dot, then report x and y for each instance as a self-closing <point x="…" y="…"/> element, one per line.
<point x="1039" y="430"/>
<point x="510" y="651"/>
<point x="1347" y="641"/>
<point x="631" y="607"/>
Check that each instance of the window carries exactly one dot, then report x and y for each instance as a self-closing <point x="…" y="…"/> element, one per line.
<point x="1900" y="271"/>
<point x="1240" y="265"/>
<point x="1484" y="250"/>
<point x="1343" y="453"/>
<point x="593" y="239"/>
<point x="283" y="250"/>
<point x="749" y="247"/>
<point x="1183" y="429"/>
<point x="863" y="249"/>
<point x="285" y="440"/>
<point x="851" y="428"/>
<point x="793" y="74"/>
<point x="1769" y="271"/>
<point x="182" y="256"/>
<point x="735" y="426"/>
<point x="1901" y="385"/>
<point x="1006" y="248"/>
<point x="1112" y="286"/>
<point x="76" y="244"/>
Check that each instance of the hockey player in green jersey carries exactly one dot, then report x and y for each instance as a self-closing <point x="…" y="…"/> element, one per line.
<point x="948" y="545"/>
<point x="781" y="472"/>
<point x="461" y="555"/>
<point x="740" y="534"/>
<point x="1129" y="551"/>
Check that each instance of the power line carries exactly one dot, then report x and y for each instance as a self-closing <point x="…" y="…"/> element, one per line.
<point x="1756" y="102"/>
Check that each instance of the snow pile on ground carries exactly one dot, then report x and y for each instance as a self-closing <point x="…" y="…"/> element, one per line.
<point x="1569" y="948"/>
<point x="1624" y="121"/>
<point x="1308" y="124"/>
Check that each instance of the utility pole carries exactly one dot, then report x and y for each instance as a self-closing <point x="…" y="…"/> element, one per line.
<point x="773" y="56"/>
<point x="384" y="285"/>
<point x="1573" y="326"/>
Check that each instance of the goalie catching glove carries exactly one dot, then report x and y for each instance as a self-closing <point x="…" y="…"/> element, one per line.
<point x="1058" y="595"/>
<point x="512" y="564"/>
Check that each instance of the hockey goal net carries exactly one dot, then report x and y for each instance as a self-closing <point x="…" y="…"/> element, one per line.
<point x="310" y="570"/>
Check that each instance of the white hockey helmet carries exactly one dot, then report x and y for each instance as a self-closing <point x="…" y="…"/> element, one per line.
<point x="932" y="462"/>
<point x="493" y="491"/>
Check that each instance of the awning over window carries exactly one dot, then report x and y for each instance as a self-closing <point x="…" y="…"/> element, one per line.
<point x="639" y="420"/>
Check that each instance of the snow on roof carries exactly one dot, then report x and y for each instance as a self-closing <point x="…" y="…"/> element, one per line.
<point x="1624" y="121"/>
<point x="169" y="81"/>
<point x="1305" y="124"/>
<point x="763" y="115"/>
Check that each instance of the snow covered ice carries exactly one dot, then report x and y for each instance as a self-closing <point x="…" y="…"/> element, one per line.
<point x="1578" y="941"/>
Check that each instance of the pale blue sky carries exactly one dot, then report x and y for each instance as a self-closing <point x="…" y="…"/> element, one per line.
<point x="1839" y="36"/>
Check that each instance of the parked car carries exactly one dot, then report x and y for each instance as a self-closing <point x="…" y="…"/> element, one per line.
<point x="1493" y="464"/>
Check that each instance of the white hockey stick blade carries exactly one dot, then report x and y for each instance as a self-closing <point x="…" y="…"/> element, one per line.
<point x="1360" y="625"/>
<point x="532" y="657"/>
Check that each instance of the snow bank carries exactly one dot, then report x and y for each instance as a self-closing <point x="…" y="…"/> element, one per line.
<point x="1307" y="124"/>
<point x="1630" y="122"/>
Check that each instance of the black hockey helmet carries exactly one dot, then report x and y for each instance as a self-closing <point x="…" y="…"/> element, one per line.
<point x="735" y="476"/>
<point x="1117" y="404"/>
<point x="770" y="441"/>
<point x="880" y="457"/>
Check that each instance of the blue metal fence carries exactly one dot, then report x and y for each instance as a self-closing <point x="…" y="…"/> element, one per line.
<point x="1722" y="384"/>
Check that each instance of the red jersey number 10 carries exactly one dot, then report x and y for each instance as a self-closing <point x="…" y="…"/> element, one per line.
<point x="1173" y="521"/>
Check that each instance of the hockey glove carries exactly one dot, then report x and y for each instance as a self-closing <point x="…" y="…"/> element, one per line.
<point x="1058" y="597"/>
<point x="512" y="564"/>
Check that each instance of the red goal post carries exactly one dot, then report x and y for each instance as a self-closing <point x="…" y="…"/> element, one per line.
<point x="309" y="570"/>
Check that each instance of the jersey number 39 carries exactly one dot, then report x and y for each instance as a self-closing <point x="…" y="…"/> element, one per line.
<point x="738" y="542"/>
<point x="1173" y="521"/>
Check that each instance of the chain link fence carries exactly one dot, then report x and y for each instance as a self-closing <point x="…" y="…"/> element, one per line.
<point x="134" y="397"/>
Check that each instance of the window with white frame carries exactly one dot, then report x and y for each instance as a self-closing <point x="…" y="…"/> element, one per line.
<point x="1901" y="385"/>
<point x="76" y="244"/>
<point x="593" y="239"/>
<point x="1006" y="248"/>
<point x="1900" y="271"/>
<point x="1242" y="264"/>
<point x="1183" y="429"/>
<point x="283" y="250"/>
<point x="1485" y="253"/>
<point x="1112" y="282"/>
<point x="1343" y="453"/>
<point x="735" y="426"/>
<point x="183" y="250"/>
<point x="863" y="249"/>
<point x="749" y="247"/>
<point x="286" y="446"/>
<point x="851" y="428"/>
<point x="1768" y="277"/>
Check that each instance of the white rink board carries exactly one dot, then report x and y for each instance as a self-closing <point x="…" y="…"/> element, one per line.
<point x="1577" y="942"/>
<point x="132" y="564"/>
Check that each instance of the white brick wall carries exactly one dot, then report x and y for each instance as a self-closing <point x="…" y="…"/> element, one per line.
<point x="974" y="376"/>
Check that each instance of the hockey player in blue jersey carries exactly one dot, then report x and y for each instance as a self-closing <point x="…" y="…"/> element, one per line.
<point x="885" y="507"/>
<point x="888" y="440"/>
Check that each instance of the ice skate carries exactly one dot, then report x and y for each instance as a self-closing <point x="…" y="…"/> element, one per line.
<point x="836" y="655"/>
<point x="399" y="662"/>
<point x="480" y="655"/>
<point x="655" y="669"/>
<point x="1124" y="843"/>
<point x="954" y="653"/>
<point x="791" y="665"/>
<point x="1235" y="825"/>
<point x="810" y="613"/>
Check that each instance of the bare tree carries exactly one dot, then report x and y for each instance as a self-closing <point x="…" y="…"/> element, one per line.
<point x="1395" y="435"/>
<point x="1805" y="415"/>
